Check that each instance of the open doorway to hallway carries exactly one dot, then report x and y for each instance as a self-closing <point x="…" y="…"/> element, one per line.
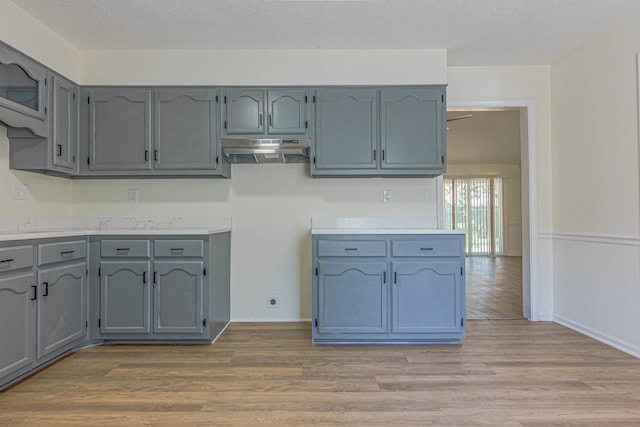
<point x="483" y="194"/>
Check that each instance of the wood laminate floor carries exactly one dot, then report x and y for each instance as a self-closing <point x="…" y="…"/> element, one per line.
<point x="506" y="373"/>
<point x="494" y="288"/>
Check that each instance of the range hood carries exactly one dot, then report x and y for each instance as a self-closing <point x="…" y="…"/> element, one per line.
<point x="266" y="150"/>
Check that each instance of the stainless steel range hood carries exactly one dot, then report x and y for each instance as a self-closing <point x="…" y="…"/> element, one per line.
<point x="266" y="150"/>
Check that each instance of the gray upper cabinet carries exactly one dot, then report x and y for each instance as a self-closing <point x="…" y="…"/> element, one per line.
<point x="64" y="122"/>
<point x="185" y="129"/>
<point x="346" y="130"/>
<point x="256" y="113"/>
<point x="152" y="132"/>
<point x="56" y="154"/>
<point x="390" y="131"/>
<point x="119" y="130"/>
<point x="23" y="92"/>
<point x="412" y="130"/>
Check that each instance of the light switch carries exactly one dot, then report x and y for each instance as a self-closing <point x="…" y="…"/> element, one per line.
<point x="134" y="195"/>
<point x="386" y="196"/>
<point x="19" y="191"/>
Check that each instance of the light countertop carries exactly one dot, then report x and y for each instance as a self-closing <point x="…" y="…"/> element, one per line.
<point x="49" y="234"/>
<point x="378" y="226"/>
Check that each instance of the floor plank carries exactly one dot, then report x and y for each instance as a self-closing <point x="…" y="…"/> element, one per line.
<point x="506" y="373"/>
<point x="494" y="287"/>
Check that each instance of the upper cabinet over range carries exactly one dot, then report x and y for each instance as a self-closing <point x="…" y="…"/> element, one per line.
<point x="23" y="92"/>
<point x="266" y="113"/>
<point x="387" y="131"/>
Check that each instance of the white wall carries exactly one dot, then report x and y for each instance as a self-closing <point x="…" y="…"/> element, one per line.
<point x="521" y="86"/>
<point x="596" y="187"/>
<point x="48" y="197"/>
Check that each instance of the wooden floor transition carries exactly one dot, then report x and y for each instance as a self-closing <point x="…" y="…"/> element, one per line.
<point x="507" y="373"/>
<point x="494" y="288"/>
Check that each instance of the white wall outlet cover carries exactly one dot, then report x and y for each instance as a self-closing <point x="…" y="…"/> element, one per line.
<point x="386" y="196"/>
<point x="134" y="195"/>
<point x="19" y="191"/>
<point x="428" y="196"/>
<point x="273" y="301"/>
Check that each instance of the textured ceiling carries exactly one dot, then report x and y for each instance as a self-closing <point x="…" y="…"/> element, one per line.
<point x="474" y="32"/>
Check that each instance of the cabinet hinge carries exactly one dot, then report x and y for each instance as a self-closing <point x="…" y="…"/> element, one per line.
<point x="442" y="98"/>
<point x="316" y="322"/>
<point x="45" y="82"/>
<point x="225" y="99"/>
<point x="86" y="272"/>
<point x="204" y="322"/>
<point x="99" y="271"/>
<point x="88" y="100"/>
<point x="306" y="124"/>
<point x="204" y="271"/>
<point x="442" y="159"/>
<point x="217" y="160"/>
<point x="305" y="99"/>
<point x="216" y="99"/>
<point x="225" y="124"/>
<point x="314" y="160"/>
<point x="99" y="322"/>
<point x="462" y="321"/>
<point x="314" y="99"/>
<point x="45" y="110"/>
<point x="88" y="160"/>
<point x="316" y="271"/>
<point x="461" y="271"/>
<point x="73" y="96"/>
<point x="86" y="323"/>
<point x="73" y="158"/>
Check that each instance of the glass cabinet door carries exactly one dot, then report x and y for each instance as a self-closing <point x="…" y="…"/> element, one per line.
<point x="23" y="92"/>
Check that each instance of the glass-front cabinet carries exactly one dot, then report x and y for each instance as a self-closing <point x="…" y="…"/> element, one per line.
<point x="23" y="92"/>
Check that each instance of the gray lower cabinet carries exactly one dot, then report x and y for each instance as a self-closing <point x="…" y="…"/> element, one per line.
<point x="266" y="112"/>
<point x="56" y="154"/>
<point x="164" y="289"/>
<point x="125" y="294"/>
<point x="43" y="303"/>
<point x="390" y="131"/>
<point x="388" y="289"/>
<point x="23" y="92"/>
<point x="62" y="304"/>
<point x="17" y="323"/>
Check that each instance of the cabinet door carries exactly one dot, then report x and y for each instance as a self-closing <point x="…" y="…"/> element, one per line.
<point x="178" y="297"/>
<point x="185" y="129"/>
<point x="65" y="122"/>
<point x="244" y="110"/>
<point x="352" y="297"/>
<point x="23" y="92"/>
<point x="61" y="307"/>
<point x="287" y="112"/>
<point x="346" y="129"/>
<point x="125" y="295"/>
<point x="426" y="297"/>
<point x="17" y="322"/>
<point x="413" y="127"/>
<point x="119" y="130"/>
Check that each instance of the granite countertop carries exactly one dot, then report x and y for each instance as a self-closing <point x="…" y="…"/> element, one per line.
<point x="378" y="226"/>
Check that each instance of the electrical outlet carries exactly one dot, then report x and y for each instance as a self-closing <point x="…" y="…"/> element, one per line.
<point x="273" y="301"/>
<point x="134" y="195"/>
<point x="386" y="196"/>
<point x="19" y="191"/>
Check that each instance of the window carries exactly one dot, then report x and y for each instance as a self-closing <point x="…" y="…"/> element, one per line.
<point x="475" y="205"/>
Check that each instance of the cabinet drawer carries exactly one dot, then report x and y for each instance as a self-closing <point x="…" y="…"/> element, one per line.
<point x="125" y="248"/>
<point x="16" y="258"/>
<point x="179" y="248"/>
<point x="49" y="253"/>
<point x="352" y="248"/>
<point x="426" y="248"/>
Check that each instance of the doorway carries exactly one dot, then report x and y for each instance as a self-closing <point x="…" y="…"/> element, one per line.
<point x="486" y="192"/>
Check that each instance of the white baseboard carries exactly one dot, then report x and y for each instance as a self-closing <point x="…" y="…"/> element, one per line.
<point x="599" y="336"/>
<point x="545" y="317"/>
